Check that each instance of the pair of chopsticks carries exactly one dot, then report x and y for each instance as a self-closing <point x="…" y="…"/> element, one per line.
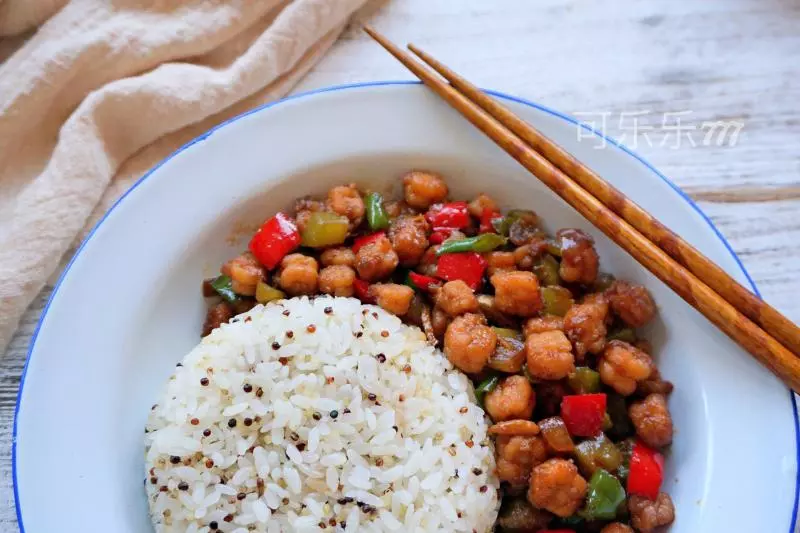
<point x="760" y="329"/>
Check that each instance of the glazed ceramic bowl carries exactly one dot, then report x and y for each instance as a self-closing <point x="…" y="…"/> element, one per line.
<point x="129" y="305"/>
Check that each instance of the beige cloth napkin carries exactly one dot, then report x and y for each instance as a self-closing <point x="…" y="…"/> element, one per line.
<point x="105" y="89"/>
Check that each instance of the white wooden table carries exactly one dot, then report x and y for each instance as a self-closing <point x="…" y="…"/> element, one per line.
<point x="634" y="62"/>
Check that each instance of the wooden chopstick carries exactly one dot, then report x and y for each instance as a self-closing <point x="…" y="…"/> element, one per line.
<point x="760" y="312"/>
<point x="772" y="354"/>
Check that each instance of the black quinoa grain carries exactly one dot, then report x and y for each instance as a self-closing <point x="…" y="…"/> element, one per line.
<point x="153" y="480"/>
<point x="285" y="501"/>
<point x="333" y="414"/>
<point x="194" y="421"/>
<point x="332" y="522"/>
<point x="179" y="365"/>
<point x="286" y="312"/>
<point x="343" y="524"/>
<point x="316" y="416"/>
<point x="374" y="315"/>
<point x="248" y="422"/>
<point x="322" y="525"/>
<point x="345" y="500"/>
<point x="368" y="509"/>
<point x="241" y="496"/>
<point x="206" y="432"/>
<point x="204" y="382"/>
<point x="213" y="525"/>
<point x="209" y="463"/>
<point x="384" y="334"/>
<point x="379" y="461"/>
<point x="247" y="388"/>
<point x="276" y="345"/>
<point x="294" y="436"/>
<point x="477" y="471"/>
<point x="283" y="360"/>
<point x="228" y="518"/>
<point x="259" y="392"/>
<point x="381" y="358"/>
<point x="290" y="334"/>
<point x="346" y="411"/>
<point x="328" y="310"/>
<point x="301" y="446"/>
<point x="484" y="488"/>
<point x="232" y="423"/>
<point x="174" y="459"/>
<point x="183" y="486"/>
<point x="163" y="488"/>
<point x="371" y="397"/>
<point x="359" y="334"/>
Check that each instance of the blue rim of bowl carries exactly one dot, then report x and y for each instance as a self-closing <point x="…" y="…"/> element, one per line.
<point x="333" y="88"/>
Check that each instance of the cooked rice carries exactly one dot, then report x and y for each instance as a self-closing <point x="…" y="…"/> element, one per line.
<point x="310" y="449"/>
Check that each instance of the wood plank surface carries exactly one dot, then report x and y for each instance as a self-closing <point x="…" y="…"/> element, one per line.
<point x="734" y="61"/>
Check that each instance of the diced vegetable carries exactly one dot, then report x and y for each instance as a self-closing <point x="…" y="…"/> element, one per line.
<point x="556" y="436"/>
<point x="621" y="425"/>
<point x="266" y="293"/>
<point x="486" y="386"/>
<point x="646" y="472"/>
<point x="452" y="215"/>
<point x="546" y="269"/>
<point x="598" y="453"/>
<point x="603" y="282"/>
<point x="482" y="243"/>
<point x="277" y="237"/>
<point x="467" y="266"/>
<point x="623" y="334"/>
<point x="376" y="214"/>
<point x="361" y="290"/>
<point x="222" y="285"/>
<point x="604" y="496"/>
<point x="626" y="449"/>
<point x="583" y="414"/>
<point x="584" y="380"/>
<point x="324" y="229"/>
<point x="488" y="220"/>
<point x="553" y="248"/>
<point x="440" y="235"/>
<point x="367" y="239"/>
<point x="503" y="226"/>
<point x="421" y="282"/>
<point x="509" y="354"/>
<point x="557" y="300"/>
<point x="607" y="424"/>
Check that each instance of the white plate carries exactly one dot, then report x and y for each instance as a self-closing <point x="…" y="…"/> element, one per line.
<point x="129" y="305"/>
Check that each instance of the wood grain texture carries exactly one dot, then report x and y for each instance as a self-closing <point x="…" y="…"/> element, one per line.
<point x="720" y="59"/>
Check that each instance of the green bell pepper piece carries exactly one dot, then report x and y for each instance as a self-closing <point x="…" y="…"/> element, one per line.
<point x="617" y="410"/>
<point x="584" y="381"/>
<point x="486" y="386"/>
<point x="222" y="284"/>
<point x="623" y="334"/>
<point x="324" y="229"/>
<point x="266" y="293"/>
<point x="604" y="497"/>
<point x="376" y="214"/>
<point x="482" y="243"/>
<point x="546" y="269"/>
<point x="556" y="300"/>
<point x="599" y="453"/>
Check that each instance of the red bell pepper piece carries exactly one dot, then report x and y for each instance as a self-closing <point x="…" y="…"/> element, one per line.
<point x="275" y="238"/>
<point x="367" y="239"/>
<point x="440" y="235"/>
<point x="583" y="414"/>
<point x="452" y="215"/>
<point x="487" y="218"/>
<point x="646" y="472"/>
<point x="361" y="290"/>
<point x="466" y="266"/>
<point x="422" y="282"/>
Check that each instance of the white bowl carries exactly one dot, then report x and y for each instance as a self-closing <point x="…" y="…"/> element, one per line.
<point x="129" y="305"/>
